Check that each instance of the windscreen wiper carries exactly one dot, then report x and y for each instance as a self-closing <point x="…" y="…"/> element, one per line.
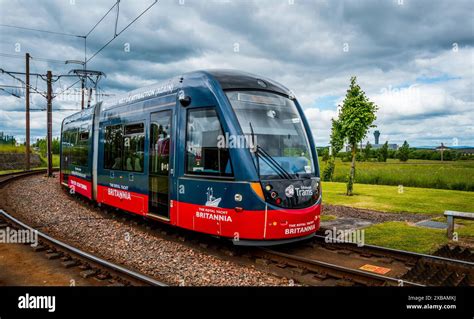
<point x="269" y="159"/>
<point x="260" y="152"/>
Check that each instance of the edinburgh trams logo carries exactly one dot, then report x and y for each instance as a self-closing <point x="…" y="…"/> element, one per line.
<point x="290" y="191"/>
<point x="300" y="191"/>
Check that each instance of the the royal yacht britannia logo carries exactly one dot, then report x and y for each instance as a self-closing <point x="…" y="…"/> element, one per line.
<point x="211" y="200"/>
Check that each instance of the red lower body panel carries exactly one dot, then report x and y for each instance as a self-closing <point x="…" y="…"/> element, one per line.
<point x="130" y="201"/>
<point x="226" y="222"/>
<point x="257" y="225"/>
<point x="80" y="186"/>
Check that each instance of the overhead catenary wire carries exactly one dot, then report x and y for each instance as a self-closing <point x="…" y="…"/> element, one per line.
<point x="100" y="20"/>
<point x="43" y="31"/>
<point x="11" y="74"/>
<point x="116" y="4"/>
<point x="125" y="28"/>
<point x="48" y="60"/>
<point x="33" y="58"/>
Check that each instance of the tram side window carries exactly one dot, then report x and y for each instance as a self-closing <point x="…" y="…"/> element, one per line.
<point x="81" y="147"/>
<point x="133" y="147"/>
<point x="113" y="147"/>
<point x="124" y="147"/>
<point x="65" y="149"/>
<point x="203" y="156"/>
<point x="73" y="144"/>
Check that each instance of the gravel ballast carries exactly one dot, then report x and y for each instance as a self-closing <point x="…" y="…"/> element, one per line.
<point x="371" y="215"/>
<point x="43" y="204"/>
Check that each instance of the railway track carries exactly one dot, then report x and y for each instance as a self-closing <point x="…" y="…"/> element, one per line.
<point x="6" y="178"/>
<point x="318" y="272"/>
<point x="89" y="265"/>
<point x="371" y="265"/>
<point x="411" y="269"/>
<point x="316" y="262"/>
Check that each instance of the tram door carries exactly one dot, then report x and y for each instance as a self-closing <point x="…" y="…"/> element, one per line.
<point x="160" y="142"/>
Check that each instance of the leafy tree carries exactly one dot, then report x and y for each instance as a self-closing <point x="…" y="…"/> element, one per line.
<point x="336" y="139"/>
<point x="325" y="155"/>
<point x="367" y="151"/>
<point x="403" y="152"/>
<point x="337" y="143"/>
<point x="383" y="152"/>
<point x="328" y="172"/>
<point x="42" y="145"/>
<point x="356" y="117"/>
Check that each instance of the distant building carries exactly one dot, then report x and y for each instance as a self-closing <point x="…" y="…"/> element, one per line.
<point x="377" y="145"/>
<point x="466" y="150"/>
<point x="7" y="139"/>
<point x="376" y="135"/>
<point x="392" y="147"/>
<point x="463" y="149"/>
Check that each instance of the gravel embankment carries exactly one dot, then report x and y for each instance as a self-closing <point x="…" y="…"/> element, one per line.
<point x="40" y="202"/>
<point x="373" y="216"/>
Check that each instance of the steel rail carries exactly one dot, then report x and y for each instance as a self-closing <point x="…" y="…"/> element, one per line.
<point x="85" y="255"/>
<point x="5" y="178"/>
<point x="342" y="269"/>
<point x="399" y="252"/>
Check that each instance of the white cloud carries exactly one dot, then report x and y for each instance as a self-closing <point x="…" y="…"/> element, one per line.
<point x="299" y="45"/>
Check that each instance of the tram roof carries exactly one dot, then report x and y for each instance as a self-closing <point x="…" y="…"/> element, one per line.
<point x="227" y="79"/>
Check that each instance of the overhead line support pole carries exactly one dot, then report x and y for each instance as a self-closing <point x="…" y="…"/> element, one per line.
<point x="27" y="112"/>
<point x="50" y="124"/>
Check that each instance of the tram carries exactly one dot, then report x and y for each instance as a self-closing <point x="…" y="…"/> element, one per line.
<point x="221" y="152"/>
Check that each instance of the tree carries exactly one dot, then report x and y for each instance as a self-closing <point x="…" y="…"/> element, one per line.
<point x="328" y="172"/>
<point x="325" y="155"/>
<point x="355" y="118"/>
<point x="337" y="143"/>
<point x="403" y="152"/>
<point x="367" y="151"/>
<point x="42" y="145"/>
<point x="383" y="152"/>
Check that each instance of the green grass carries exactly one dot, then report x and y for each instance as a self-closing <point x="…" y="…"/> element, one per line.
<point x="44" y="160"/>
<point x="8" y="171"/>
<point x="388" y="199"/>
<point x="4" y="148"/>
<point x="465" y="227"/>
<point x="44" y="164"/>
<point x="325" y="218"/>
<point x="400" y="235"/>
<point x="455" y="175"/>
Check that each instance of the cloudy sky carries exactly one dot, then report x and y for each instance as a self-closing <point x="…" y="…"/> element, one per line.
<point x="414" y="58"/>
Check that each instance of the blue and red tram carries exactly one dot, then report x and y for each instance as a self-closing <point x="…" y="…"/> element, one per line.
<point x="220" y="152"/>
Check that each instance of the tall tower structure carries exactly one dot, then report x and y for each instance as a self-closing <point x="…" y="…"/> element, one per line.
<point x="377" y="135"/>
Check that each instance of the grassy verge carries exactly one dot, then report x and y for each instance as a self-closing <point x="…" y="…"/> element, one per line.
<point x="400" y="235"/>
<point x="389" y="199"/>
<point x="44" y="164"/>
<point x="326" y="218"/>
<point x="4" y="148"/>
<point x="44" y="160"/>
<point x="454" y="175"/>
